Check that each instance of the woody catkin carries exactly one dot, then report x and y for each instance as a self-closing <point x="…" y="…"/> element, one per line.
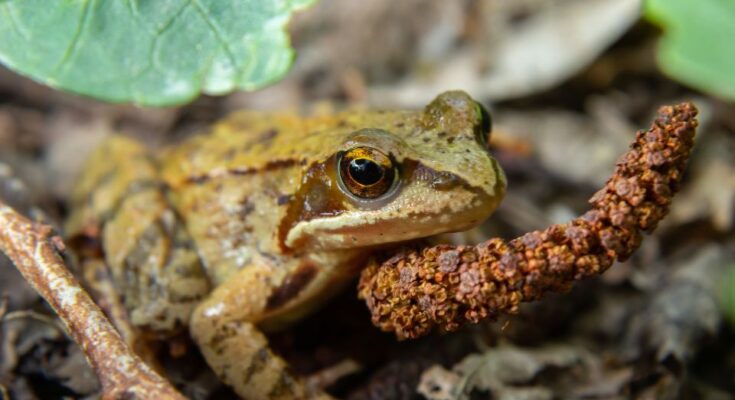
<point x="445" y="286"/>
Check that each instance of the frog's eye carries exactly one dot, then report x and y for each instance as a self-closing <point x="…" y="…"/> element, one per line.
<point x="486" y="124"/>
<point x="365" y="172"/>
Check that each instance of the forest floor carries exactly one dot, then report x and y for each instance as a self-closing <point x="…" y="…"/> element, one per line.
<point x="658" y="326"/>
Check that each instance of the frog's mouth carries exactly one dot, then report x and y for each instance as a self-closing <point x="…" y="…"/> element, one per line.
<point x="359" y="231"/>
<point x="418" y="210"/>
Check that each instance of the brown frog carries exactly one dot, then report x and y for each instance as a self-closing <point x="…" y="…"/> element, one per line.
<point x="250" y="226"/>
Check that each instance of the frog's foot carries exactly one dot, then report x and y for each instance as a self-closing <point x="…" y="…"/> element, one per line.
<point x="238" y="353"/>
<point x="224" y="328"/>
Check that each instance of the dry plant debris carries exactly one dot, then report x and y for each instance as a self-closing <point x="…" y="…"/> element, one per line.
<point x="568" y="35"/>
<point x="508" y="372"/>
<point x="34" y="249"/>
<point x="446" y="286"/>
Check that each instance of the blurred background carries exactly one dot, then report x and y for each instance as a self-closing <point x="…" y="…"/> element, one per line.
<point x="568" y="83"/>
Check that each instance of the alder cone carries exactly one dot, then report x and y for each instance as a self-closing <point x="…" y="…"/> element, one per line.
<point x="443" y="287"/>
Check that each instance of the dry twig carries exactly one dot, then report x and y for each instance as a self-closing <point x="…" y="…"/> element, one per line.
<point x="446" y="286"/>
<point x="34" y="248"/>
<point x="32" y="315"/>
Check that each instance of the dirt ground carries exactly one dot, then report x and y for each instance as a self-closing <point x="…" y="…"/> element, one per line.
<point x="658" y="326"/>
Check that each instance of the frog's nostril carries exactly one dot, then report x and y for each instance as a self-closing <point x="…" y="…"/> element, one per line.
<point x="437" y="180"/>
<point x="444" y="181"/>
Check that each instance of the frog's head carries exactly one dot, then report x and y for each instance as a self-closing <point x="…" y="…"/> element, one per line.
<point x="398" y="176"/>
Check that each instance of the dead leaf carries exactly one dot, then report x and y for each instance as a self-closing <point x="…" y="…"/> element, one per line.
<point x="711" y="191"/>
<point x="439" y="384"/>
<point x="541" y="51"/>
<point x="510" y="365"/>
<point x="507" y="372"/>
<point x="683" y="310"/>
<point x="574" y="146"/>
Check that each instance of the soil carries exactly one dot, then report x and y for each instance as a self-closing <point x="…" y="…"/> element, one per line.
<point x="659" y="325"/>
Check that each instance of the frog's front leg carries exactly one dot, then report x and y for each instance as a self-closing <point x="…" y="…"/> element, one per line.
<point x="224" y="327"/>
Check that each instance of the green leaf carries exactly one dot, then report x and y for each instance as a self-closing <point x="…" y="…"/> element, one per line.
<point x="727" y="294"/>
<point x="698" y="46"/>
<point x="150" y="52"/>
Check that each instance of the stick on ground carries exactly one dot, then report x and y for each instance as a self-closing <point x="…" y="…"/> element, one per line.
<point x="34" y="249"/>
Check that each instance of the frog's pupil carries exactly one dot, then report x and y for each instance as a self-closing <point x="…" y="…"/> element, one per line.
<point x="365" y="172"/>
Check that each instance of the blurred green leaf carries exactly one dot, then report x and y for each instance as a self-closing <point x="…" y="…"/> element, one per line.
<point x="698" y="46"/>
<point x="150" y="52"/>
<point x="727" y="294"/>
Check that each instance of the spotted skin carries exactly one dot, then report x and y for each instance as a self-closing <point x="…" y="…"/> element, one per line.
<point x="250" y="226"/>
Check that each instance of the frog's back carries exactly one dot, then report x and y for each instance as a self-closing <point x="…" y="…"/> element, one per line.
<point x="250" y="143"/>
<point x="233" y="185"/>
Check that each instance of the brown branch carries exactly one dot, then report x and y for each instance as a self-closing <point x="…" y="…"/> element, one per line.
<point x="34" y="248"/>
<point x="446" y="286"/>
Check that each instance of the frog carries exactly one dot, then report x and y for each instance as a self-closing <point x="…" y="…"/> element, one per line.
<point x="252" y="224"/>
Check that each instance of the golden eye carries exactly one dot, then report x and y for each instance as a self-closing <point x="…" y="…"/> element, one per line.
<point x="366" y="172"/>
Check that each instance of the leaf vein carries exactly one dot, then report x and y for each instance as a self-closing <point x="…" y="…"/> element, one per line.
<point x="74" y="43"/>
<point x="133" y="6"/>
<point x="215" y="28"/>
<point x="14" y="23"/>
<point x="173" y="18"/>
